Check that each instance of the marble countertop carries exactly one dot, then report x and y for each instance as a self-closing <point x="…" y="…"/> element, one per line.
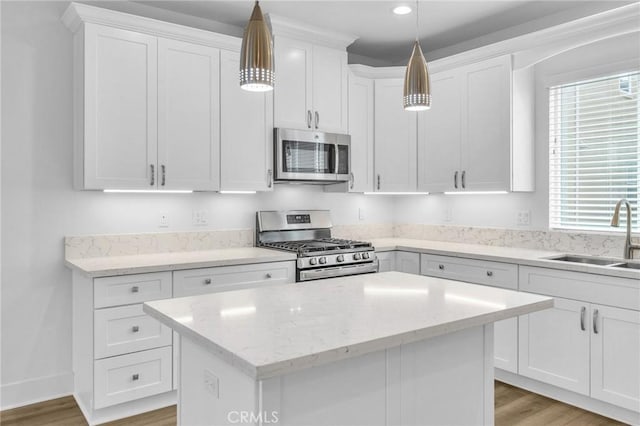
<point x="140" y="263"/>
<point x="520" y="256"/>
<point x="267" y="332"/>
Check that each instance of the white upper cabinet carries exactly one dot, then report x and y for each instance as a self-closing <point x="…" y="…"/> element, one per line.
<point x="246" y="129"/>
<point x="146" y="102"/>
<point x="188" y="116"/>
<point x="465" y="140"/>
<point x="395" y="139"/>
<point x="361" y="131"/>
<point x="311" y="82"/>
<point x="117" y="85"/>
<point x="439" y="134"/>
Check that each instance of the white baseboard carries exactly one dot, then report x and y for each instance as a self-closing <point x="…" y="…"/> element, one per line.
<point x="18" y="394"/>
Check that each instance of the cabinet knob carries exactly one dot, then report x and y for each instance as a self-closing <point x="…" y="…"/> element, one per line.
<point x="135" y="377"/>
<point x="441" y="267"/>
<point x="135" y="328"/>
<point x="268" y="275"/>
<point x="489" y="273"/>
<point x="207" y="281"/>
<point x="135" y="289"/>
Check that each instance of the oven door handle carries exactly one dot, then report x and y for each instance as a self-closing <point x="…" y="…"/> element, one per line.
<point x="340" y="271"/>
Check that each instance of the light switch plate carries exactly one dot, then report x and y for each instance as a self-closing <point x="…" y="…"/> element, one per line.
<point x="524" y="218"/>
<point x="163" y="221"/>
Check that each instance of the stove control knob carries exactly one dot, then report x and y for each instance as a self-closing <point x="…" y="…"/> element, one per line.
<point x="313" y="261"/>
<point x="340" y="258"/>
<point x="323" y="260"/>
<point x="356" y="256"/>
<point x="365" y="255"/>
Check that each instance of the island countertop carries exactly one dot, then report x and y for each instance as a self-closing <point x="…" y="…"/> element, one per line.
<point x="267" y="332"/>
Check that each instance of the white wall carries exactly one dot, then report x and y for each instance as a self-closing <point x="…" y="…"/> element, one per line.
<point x="501" y="210"/>
<point x="39" y="206"/>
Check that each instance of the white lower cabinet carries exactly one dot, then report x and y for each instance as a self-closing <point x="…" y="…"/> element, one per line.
<point x="615" y="356"/>
<point x="554" y="345"/>
<point x="496" y="274"/>
<point x="386" y="261"/>
<point x="132" y="376"/>
<point x="408" y="262"/>
<point x="585" y="346"/>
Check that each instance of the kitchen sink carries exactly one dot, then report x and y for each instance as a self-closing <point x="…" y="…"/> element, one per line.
<point x="586" y="259"/>
<point x="627" y="265"/>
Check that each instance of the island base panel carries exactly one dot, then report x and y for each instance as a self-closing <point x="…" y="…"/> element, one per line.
<point x="443" y="380"/>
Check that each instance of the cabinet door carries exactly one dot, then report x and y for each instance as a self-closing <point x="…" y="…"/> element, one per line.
<point x="120" y="109"/>
<point x="408" y="262"/>
<point x="615" y="356"/>
<point x="189" y="116"/>
<point x="554" y="345"/>
<point x="293" y="88"/>
<point x="395" y="139"/>
<point x="330" y="89"/>
<point x="439" y="136"/>
<point x="246" y="129"/>
<point x="386" y="261"/>
<point x="486" y="118"/>
<point x="361" y="131"/>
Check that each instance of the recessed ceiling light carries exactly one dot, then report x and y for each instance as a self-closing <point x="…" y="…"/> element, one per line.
<point x="401" y="10"/>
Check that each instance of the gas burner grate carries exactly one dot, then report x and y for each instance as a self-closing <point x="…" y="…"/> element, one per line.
<point x="319" y="245"/>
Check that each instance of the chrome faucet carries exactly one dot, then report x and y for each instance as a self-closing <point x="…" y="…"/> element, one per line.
<point x="628" y="246"/>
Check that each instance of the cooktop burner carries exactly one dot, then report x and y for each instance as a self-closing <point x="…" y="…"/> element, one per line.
<point x="305" y="247"/>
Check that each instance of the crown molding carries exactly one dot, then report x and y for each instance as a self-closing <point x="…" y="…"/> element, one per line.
<point x="367" y="71"/>
<point x="289" y="28"/>
<point x="78" y="14"/>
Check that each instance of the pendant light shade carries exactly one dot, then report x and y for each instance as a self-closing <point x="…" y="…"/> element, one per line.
<point x="417" y="88"/>
<point x="256" y="56"/>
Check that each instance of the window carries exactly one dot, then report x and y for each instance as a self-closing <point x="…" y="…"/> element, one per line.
<point x="594" y="155"/>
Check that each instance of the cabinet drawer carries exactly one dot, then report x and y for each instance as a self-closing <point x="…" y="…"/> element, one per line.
<point x="127" y="329"/>
<point x="130" y="289"/>
<point x="209" y="280"/>
<point x="127" y="377"/>
<point x="497" y="274"/>
<point x="602" y="289"/>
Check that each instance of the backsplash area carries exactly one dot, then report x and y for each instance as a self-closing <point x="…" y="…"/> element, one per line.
<point x="568" y="242"/>
<point x="168" y="242"/>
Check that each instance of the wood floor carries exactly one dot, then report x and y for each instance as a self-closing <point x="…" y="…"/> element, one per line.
<point x="514" y="406"/>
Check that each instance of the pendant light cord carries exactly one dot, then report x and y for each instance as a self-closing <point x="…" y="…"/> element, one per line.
<point x="417" y="17"/>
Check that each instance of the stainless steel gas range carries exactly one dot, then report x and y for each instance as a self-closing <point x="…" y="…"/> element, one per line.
<point x="308" y="234"/>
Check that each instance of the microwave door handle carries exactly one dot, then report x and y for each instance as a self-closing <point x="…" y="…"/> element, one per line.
<point x="336" y="160"/>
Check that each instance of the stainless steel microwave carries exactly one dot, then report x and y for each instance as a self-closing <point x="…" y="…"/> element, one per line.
<point x="312" y="157"/>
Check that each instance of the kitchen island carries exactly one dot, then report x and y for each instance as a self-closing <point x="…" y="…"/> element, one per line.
<point x="376" y="349"/>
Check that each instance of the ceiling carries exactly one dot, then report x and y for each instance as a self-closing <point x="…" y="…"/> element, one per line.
<point x="445" y="27"/>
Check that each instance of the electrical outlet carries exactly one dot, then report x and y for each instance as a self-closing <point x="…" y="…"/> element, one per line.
<point x="164" y="220"/>
<point x="448" y="214"/>
<point x="361" y="213"/>
<point x="524" y="218"/>
<point x="212" y="383"/>
<point x="200" y="217"/>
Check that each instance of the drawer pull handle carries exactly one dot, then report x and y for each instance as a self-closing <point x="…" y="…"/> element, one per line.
<point x="583" y="312"/>
<point x="135" y="328"/>
<point x="595" y="321"/>
<point x="441" y="267"/>
<point x="489" y="273"/>
<point x="268" y="275"/>
<point x="207" y="281"/>
<point x="135" y="289"/>
<point x="135" y="377"/>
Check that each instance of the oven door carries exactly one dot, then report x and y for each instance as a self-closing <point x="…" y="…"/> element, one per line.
<point x="338" y="271"/>
<point x="311" y="156"/>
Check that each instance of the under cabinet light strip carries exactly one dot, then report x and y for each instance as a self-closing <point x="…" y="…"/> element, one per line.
<point x="396" y="193"/>
<point x="475" y="192"/>
<point x="237" y="192"/>
<point x="148" y="191"/>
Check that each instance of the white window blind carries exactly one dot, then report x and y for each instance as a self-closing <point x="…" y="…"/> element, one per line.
<point x="594" y="151"/>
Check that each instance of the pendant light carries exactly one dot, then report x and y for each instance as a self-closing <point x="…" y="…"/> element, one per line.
<point x="417" y="88"/>
<point x="256" y="56"/>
